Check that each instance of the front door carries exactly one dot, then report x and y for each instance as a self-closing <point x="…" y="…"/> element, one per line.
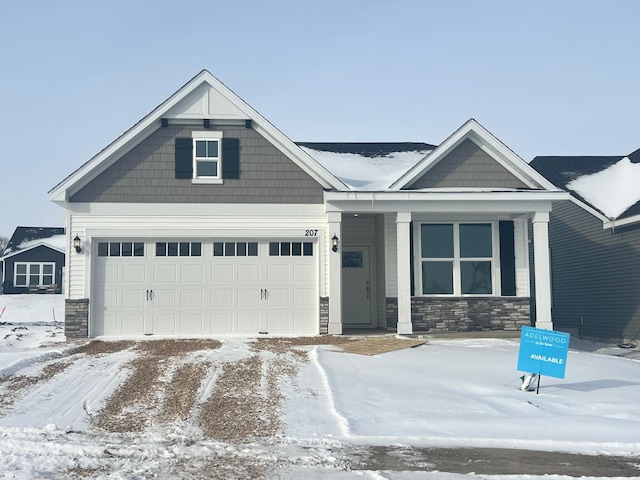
<point x="358" y="295"/>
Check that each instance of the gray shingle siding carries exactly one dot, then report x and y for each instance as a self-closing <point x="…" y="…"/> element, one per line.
<point x="595" y="275"/>
<point x="146" y="174"/>
<point x="468" y="166"/>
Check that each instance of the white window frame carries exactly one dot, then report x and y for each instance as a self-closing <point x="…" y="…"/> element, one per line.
<point x="456" y="259"/>
<point x="41" y="273"/>
<point x="207" y="136"/>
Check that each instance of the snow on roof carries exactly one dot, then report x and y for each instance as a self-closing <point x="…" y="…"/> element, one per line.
<point x="612" y="190"/>
<point x="58" y="242"/>
<point x="366" y="172"/>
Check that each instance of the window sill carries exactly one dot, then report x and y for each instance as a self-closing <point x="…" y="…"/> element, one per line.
<point x="207" y="181"/>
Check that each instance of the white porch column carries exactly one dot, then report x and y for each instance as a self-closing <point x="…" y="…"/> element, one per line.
<point x="335" y="275"/>
<point x="542" y="270"/>
<point x="404" y="272"/>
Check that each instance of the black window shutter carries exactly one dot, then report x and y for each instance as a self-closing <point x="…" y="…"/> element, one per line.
<point x="230" y="158"/>
<point x="184" y="158"/>
<point x="507" y="259"/>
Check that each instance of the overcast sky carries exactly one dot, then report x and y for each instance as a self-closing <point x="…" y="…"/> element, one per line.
<point x="546" y="77"/>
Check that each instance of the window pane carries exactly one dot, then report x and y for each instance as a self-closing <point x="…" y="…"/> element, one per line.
<point x="296" y="249"/>
<point x="207" y="169"/>
<point x="437" y="277"/>
<point x="230" y="249"/>
<point x="34" y="269"/>
<point x="47" y="269"/>
<point x="242" y="249"/>
<point x="274" y="249"/>
<point x="114" y="249"/>
<point x="184" y="249"/>
<point x="307" y="249"/>
<point x="196" y="249"/>
<point x="437" y="241"/>
<point x="21" y="281"/>
<point x="127" y="249"/>
<point x="47" y="280"/>
<point x="476" y="277"/>
<point x="201" y="148"/>
<point x="475" y="240"/>
<point x="218" y="249"/>
<point x="285" y="249"/>
<point x="21" y="268"/>
<point x="212" y="148"/>
<point x="161" y="249"/>
<point x="138" y="249"/>
<point x="103" y="249"/>
<point x="253" y="249"/>
<point x="172" y="249"/>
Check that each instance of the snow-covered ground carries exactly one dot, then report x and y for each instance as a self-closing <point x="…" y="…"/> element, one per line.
<point x="453" y="393"/>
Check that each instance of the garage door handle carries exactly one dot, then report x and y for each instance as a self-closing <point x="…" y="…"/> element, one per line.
<point x="147" y="295"/>
<point x="266" y="294"/>
<point x="261" y="293"/>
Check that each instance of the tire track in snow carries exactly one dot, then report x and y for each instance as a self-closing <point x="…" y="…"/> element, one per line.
<point x="341" y="421"/>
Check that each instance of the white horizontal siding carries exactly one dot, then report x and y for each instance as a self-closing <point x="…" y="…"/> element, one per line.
<point x="521" y="241"/>
<point x="390" y="250"/>
<point x="222" y="224"/>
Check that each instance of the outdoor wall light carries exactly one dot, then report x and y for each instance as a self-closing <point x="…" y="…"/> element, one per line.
<point x="76" y="244"/>
<point x="335" y="241"/>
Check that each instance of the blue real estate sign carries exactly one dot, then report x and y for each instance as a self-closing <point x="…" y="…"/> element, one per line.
<point x="543" y="352"/>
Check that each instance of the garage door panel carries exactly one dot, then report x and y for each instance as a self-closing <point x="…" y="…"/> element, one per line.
<point x="304" y="273"/>
<point x="248" y="297"/>
<point x="134" y="298"/>
<point x="304" y="322"/>
<point x="164" y="298"/>
<point x="164" y="324"/>
<point x="222" y="323"/>
<point x="239" y="292"/>
<point x="191" y="299"/>
<point x="191" y="323"/>
<point x="303" y="297"/>
<point x="192" y="274"/>
<point x="133" y="323"/>
<point x="248" y="322"/>
<point x="248" y="273"/>
<point x="279" y="322"/>
<point x="222" y="273"/>
<point x="222" y="298"/>
<point x="133" y="274"/>
<point x="278" y="273"/>
<point x="164" y="274"/>
<point x="279" y="297"/>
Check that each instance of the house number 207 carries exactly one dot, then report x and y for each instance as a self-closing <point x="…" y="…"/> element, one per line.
<point x="311" y="233"/>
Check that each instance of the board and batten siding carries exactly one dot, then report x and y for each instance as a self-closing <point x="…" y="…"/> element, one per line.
<point x="595" y="275"/>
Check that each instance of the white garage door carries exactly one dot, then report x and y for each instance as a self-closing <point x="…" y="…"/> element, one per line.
<point x="170" y="287"/>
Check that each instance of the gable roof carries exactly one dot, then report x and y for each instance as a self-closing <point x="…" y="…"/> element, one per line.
<point x="25" y="238"/>
<point x="489" y="143"/>
<point x="367" y="166"/>
<point x="202" y="97"/>
<point x="606" y="184"/>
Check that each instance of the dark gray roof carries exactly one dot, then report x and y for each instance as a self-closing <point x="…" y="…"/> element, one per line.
<point x="562" y="170"/>
<point x="26" y="234"/>
<point x="367" y="149"/>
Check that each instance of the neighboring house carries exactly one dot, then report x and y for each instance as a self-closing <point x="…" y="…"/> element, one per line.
<point x="204" y="218"/>
<point x="595" y="245"/>
<point x="33" y="261"/>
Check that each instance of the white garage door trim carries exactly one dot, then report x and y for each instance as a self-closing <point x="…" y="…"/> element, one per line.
<point x="212" y="287"/>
